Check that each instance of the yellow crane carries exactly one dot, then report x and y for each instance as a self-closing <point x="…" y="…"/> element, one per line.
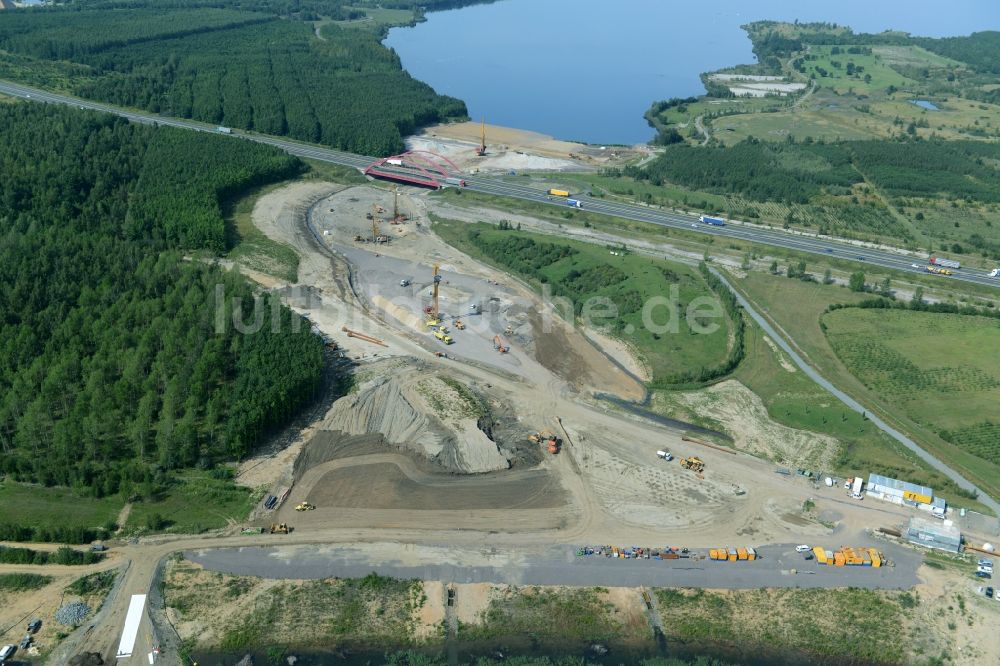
<point x="433" y="312"/>
<point x="481" y="150"/>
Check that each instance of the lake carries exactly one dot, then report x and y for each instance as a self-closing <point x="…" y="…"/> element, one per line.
<point x="587" y="70"/>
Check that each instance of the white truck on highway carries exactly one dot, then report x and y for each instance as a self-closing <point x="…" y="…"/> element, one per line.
<point x="995" y="272"/>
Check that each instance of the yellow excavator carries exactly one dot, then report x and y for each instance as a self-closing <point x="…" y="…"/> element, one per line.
<point x="693" y="464"/>
<point x="304" y="506"/>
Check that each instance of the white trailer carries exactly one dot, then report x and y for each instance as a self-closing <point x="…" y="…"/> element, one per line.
<point x="859" y="482"/>
<point x="133" y="619"/>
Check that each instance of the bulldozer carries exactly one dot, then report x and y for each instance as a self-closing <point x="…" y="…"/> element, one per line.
<point x="304" y="506"/>
<point x="280" y="528"/>
<point x="459" y="324"/>
<point x="693" y="464"/>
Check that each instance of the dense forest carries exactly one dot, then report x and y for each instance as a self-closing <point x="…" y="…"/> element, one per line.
<point x="117" y="356"/>
<point x="251" y="70"/>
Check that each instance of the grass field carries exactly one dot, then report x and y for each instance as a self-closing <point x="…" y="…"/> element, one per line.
<point x="552" y="615"/>
<point x="297" y="614"/>
<point x="582" y="271"/>
<point x="791" y="399"/>
<point x="860" y="625"/>
<point x="250" y="247"/>
<point x="19" y="582"/>
<point x="48" y="507"/>
<point x="194" y="502"/>
<point x="941" y="370"/>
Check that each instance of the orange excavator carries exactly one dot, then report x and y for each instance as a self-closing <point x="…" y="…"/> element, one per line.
<point x="548" y="439"/>
<point x="499" y="346"/>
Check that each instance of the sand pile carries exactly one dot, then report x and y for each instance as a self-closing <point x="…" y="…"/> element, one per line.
<point x="395" y="410"/>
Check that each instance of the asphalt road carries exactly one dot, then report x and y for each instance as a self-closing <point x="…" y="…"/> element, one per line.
<point x="776" y="238"/>
<point x="853" y="404"/>
<point x="560" y="566"/>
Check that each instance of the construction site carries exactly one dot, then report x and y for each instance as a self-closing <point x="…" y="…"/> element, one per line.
<point x="477" y="443"/>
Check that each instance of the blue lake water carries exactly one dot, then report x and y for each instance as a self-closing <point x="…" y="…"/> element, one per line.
<point x="588" y="69"/>
<point x="924" y="104"/>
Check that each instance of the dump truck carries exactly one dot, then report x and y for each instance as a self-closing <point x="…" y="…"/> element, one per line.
<point x="443" y="337"/>
<point x="558" y="193"/>
<point x="941" y="261"/>
<point x="714" y="221"/>
<point x="280" y="528"/>
<point x="693" y="464"/>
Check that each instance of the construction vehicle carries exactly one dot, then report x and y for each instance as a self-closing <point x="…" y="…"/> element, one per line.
<point x="574" y="203"/>
<point x="443" y="337"/>
<point x="434" y="312"/>
<point x="280" y="528"/>
<point x="304" y="506"/>
<point x="938" y="271"/>
<point x="714" y="221"/>
<point x="458" y="182"/>
<point x="693" y="464"/>
<point x="995" y="272"/>
<point x="499" y="346"/>
<point x="358" y="238"/>
<point x="481" y="150"/>
<point x="459" y="324"/>
<point x="558" y="193"/>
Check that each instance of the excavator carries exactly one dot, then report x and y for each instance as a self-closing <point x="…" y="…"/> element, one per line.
<point x="693" y="464"/>
<point x="499" y="346"/>
<point x="304" y="506"/>
<point x="280" y="528"/>
<point x="547" y="438"/>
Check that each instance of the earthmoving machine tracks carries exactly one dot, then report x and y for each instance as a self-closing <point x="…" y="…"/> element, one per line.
<point x="693" y="464"/>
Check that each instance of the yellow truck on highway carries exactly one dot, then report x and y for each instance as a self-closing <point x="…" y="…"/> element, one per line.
<point x="558" y="193"/>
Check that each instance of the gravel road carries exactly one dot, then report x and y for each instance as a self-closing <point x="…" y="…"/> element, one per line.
<point x="559" y="566"/>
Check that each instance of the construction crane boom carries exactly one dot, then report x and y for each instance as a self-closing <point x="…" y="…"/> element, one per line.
<point x="481" y="150"/>
<point x="433" y="312"/>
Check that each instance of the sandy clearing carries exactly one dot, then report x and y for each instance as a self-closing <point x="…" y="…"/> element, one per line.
<point x="743" y="414"/>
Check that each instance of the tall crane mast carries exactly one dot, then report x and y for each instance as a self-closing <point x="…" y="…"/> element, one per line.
<point x="375" y="221"/>
<point x="481" y="150"/>
<point x="433" y="314"/>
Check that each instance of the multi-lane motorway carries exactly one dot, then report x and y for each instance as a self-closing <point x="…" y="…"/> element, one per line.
<point x="880" y="258"/>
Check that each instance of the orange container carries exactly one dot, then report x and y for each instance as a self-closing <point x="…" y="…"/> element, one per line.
<point x="741" y="553"/>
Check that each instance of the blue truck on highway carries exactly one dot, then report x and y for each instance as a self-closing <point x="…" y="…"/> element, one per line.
<point x="574" y="203"/>
<point x="715" y="221"/>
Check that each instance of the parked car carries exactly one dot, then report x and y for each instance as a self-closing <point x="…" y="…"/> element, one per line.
<point x="802" y="549"/>
<point x="983" y="574"/>
<point x="807" y="555"/>
<point x="26" y="642"/>
<point x="34" y="625"/>
<point x="986" y="563"/>
<point x="6" y="651"/>
<point x="989" y="593"/>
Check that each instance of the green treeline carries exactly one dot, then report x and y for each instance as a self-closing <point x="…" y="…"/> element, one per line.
<point x="241" y="69"/>
<point x="62" y="555"/>
<point x="798" y="172"/>
<point x="18" y="582"/>
<point x="63" y="534"/>
<point x="119" y="359"/>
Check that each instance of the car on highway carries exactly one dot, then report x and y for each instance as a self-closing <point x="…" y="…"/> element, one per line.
<point x="860" y="258"/>
<point x="802" y="549"/>
<point x="829" y="250"/>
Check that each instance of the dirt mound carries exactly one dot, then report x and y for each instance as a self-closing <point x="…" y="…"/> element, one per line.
<point x="435" y="419"/>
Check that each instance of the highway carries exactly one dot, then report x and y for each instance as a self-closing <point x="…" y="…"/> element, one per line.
<point x="825" y="247"/>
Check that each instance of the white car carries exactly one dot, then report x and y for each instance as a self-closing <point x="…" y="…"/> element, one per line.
<point x="802" y="549"/>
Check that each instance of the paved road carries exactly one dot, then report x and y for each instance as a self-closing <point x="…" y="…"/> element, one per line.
<point x="773" y="237"/>
<point x="559" y="566"/>
<point x="853" y="404"/>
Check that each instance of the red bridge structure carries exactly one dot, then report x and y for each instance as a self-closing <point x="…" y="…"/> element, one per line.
<point x="414" y="167"/>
